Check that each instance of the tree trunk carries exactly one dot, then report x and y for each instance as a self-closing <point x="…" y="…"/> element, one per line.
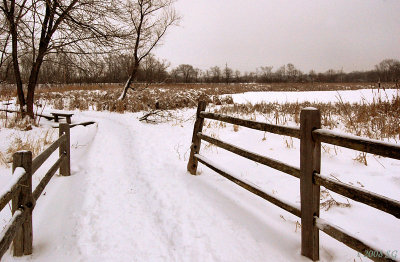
<point x="30" y="99"/>
<point x="126" y="87"/>
<point x="129" y="81"/>
<point x="33" y="78"/>
<point x="17" y="72"/>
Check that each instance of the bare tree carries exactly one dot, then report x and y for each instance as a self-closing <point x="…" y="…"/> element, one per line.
<point x="187" y="72"/>
<point x="237" y="76"/>
<point x="266" y="73"/>
<point x="150" y="20"/>
<point x="215" y="74"/>
<point x="389" y="70"/>
<point x="154" y="69"/>
<point x="228" y="72"/>
<point x="292" y="72"/>
<point x="37" y="28"/>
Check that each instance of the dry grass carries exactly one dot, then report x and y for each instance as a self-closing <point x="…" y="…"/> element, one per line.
<point x="27" y="141"/>
<point x="23" y="141"/>
<point x="169" y="96"/>
<point x="215" y="89"/>
<point x="378" y="119"/>
<point x="14" y="121"/>
<point x="327" y="201"/>
<point x="166" y="96"/>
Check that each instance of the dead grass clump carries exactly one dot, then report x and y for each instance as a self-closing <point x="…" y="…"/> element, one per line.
<point x="76" y="103"/>
<point x="362" y="158"/>
<point x="3" y="160"/>
<point x="327" y="201"/>
<point x="16" y="122"/>
<point x="35" y="144"/>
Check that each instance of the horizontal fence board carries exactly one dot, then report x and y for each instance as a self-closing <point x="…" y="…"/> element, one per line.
<point x="280" y="203"/>
<point x="6" y="193"/>
<point x="43" y="183"/>
<point x="9" y="232"/>
<point x="82" y="124"/>
<point x="48" y="117"/>
<point x="366" y="197"/>
<point x="5" y="199"/>
<point x="276" y="129"/>
<point x="39" y="160"/>
<point x="358" y="143"/>
<point x="252" y="156"/>
<point x="349" y="240"/>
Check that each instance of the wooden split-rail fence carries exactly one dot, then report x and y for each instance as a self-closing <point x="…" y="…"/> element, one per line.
<point x="311" y="135"/>
<point x="23" y="198"/>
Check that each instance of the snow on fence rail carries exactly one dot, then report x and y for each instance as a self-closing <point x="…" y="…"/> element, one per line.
<point x="311" y="135"/>
<point x="19" y="191"/>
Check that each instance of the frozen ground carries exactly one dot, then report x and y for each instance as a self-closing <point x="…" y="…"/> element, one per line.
<point x="130" y="198"/>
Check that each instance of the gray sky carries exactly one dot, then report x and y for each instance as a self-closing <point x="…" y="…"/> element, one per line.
<point x="311" y="34"/>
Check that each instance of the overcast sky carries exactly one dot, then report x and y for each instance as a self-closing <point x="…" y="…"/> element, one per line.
<point x="311" y="34"/>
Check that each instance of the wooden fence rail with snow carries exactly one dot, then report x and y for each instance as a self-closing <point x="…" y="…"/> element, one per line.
<point x="19" y="191"/>
<point x="311" y="135"/>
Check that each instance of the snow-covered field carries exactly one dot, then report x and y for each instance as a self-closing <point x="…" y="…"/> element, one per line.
<point x="130" y="198"/>
<point x="350" y="96"/>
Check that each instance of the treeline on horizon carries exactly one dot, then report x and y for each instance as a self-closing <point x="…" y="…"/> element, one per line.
<point x="116" y="68"/>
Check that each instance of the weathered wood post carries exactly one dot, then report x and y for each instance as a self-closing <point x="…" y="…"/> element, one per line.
<point x="196" y="142"/>
<point x="310" y="162"/>
<point x="22" y="198"/>
<point x="65" y="166"/>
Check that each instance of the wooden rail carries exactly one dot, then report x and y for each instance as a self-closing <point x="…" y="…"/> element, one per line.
<point x="311" y="135"/>
<point x="6" y="194"/>
<point x="350" y="240"/>
<point x="278" y="202"/>
<point x="276" y="129"/>
<point x="294" y="171"/>
<point x="19" y="191"/>
<point x="383" y="203"/>
<point x="10" y="231"/>
<point x="48" y="117"/>
<point x="372" y="146"/>
<point x="40" y="159"/>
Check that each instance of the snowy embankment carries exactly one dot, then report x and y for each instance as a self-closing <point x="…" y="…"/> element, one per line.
<point x="130" y="198"/>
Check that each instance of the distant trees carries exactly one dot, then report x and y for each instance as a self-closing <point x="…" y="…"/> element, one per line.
<point x="148" y="21"/>
<point x="265" y="74"/>
<point x="389" y="70"/>
<point x="215" y="72"/>
<point x="186" y="72"/>
<point x="228" y="73"/>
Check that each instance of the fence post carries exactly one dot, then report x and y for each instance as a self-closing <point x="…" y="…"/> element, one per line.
<point x="196" y="142"/>
<point x="65" y="166"/>
<point x="310" y="162"/>
<point x="22" y="198"/>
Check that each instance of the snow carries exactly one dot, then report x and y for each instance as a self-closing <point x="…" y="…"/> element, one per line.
<point x="130" y="198"/>
<point x="364" y="140"/>
<point x="350" y="96"/>
<point x="17" y="213"/>
<point x="18" y="173"/>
